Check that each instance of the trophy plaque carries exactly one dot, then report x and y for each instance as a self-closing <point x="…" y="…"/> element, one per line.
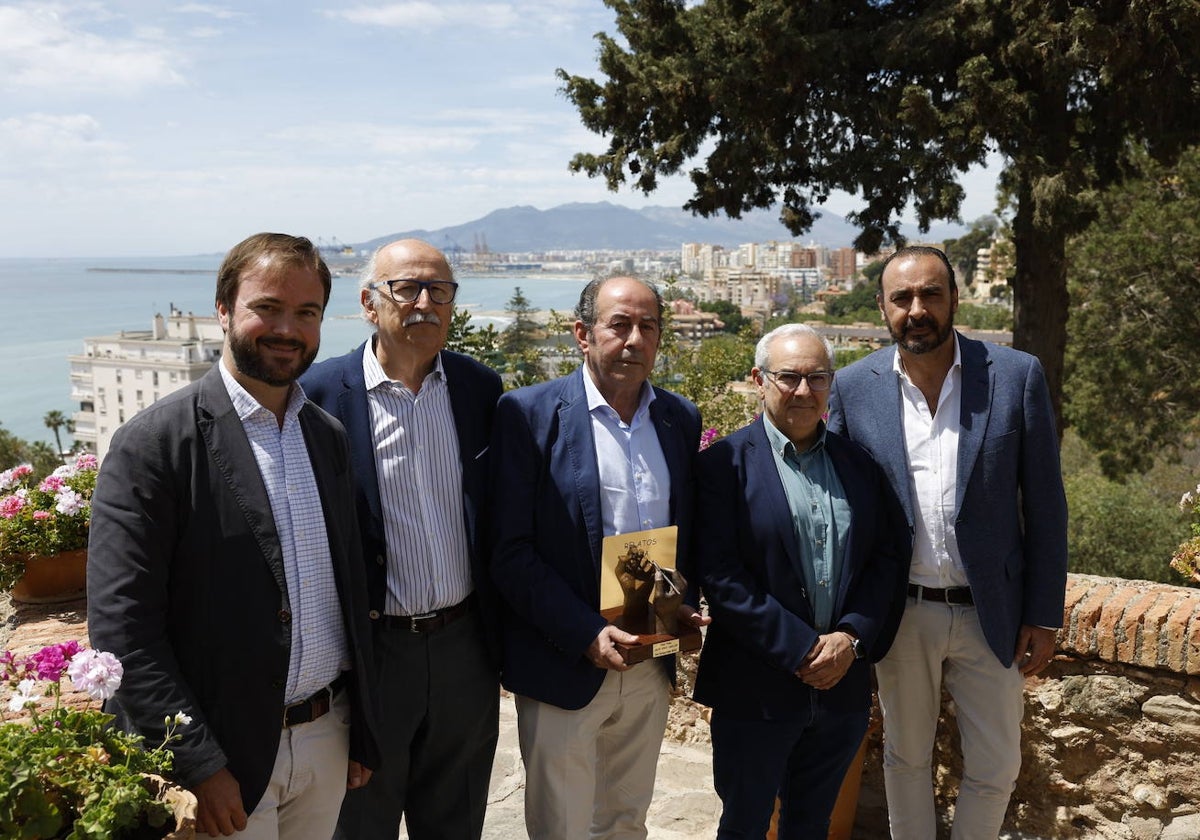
<point x="641" y="591"/>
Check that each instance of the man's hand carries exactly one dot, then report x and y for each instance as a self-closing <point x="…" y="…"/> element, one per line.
<point x="1035" y="649"/>
<point x="603" y="653"/>
<point x="828" y="661"/>
<point x="357" y="775"/>
<point x="219" y="810"/>
<point x="687" y="614"/>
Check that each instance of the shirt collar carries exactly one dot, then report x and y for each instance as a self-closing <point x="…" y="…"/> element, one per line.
<point x="596" y="400"/>
<point x="373" y="372"/>
<point x="784" y="447"/>
<point x="246" y="406"/>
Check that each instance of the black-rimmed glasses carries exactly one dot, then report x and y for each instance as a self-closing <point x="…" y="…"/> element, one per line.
<point x="406" y="291"/>
<point x="789" y="380"/>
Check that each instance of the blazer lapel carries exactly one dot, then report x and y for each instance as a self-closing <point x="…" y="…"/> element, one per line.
<point x="885" y="402"/>
<point x="976" y="405"/>
<point x="230" y="450"/>
<point x="575" y="423"/>
<point x="766" y="497"/>
<point x="354" y="405"/>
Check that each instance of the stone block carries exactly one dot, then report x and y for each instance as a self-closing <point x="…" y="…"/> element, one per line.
<point x="1109" y="624"/>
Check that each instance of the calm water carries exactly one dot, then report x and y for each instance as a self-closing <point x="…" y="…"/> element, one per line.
<point x="48" y="306"/>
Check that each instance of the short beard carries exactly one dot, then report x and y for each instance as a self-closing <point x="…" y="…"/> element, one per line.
<point x="250" y="362"/>
<point x="924" y="345"/>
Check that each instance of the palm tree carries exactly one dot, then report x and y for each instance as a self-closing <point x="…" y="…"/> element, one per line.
<point x="56" y="420"/>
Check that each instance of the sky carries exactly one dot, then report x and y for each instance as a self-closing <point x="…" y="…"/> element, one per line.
<point x="133" y="127"/>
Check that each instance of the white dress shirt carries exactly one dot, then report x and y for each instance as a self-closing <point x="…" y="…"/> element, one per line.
<point x="420" y="490"/>
<point x="635" y="484"/>
<point x="318" y="649"/>
<point x="931" y="445"/>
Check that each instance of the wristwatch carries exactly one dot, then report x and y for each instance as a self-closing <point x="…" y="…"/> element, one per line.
<point x="856" y="645"/>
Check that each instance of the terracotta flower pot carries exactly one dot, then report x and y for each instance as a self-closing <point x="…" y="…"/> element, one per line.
<point x="53" y="579"/>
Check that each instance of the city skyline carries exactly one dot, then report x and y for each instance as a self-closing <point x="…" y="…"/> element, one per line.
<point x="136" y="127"/>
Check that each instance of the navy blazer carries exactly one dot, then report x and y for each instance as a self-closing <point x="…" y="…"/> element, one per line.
<point x="549" y="531"/>
<point x="1011" y="517"/>
<point x="752" y="573"/>
<point x="338" y="386"/>
<point x="186" y="584"/>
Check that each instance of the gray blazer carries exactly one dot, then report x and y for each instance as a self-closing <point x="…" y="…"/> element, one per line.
<point x="186" y="584"/>
<point x="1011" y="518"/>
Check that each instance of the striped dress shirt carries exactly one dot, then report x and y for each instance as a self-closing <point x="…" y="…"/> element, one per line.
<point x="420" y="490"/>
<point x="318" y="642"/>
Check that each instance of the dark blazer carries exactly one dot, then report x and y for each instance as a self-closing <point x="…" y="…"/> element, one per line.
<point x="1011" y="518"/>
<point x="752" y="575"/>
<point x="338" y="386"/>
<point x="549" y="531"/>
<point x="186" y="584"/>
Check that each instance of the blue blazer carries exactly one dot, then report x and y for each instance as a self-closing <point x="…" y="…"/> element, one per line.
<point x="1011" y="517"/>
<point x="549" y="530"/>
<point x="338" y="386"/>
<point x="752" y="575"/>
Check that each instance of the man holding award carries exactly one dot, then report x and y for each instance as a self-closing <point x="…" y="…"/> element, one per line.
<point x="803" y="558"/>
<point x="598" y="453"/>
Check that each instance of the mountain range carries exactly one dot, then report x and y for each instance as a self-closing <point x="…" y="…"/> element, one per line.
<point x="606" y="226"/>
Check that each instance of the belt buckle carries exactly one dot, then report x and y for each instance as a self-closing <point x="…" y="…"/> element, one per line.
<point x="413" y="619"/>
<point x="287" y="708"/>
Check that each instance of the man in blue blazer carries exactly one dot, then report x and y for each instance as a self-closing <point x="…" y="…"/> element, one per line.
<point x="224" y="568"/>
<point x="419" y="421"/>
<point x="595" y="453"/>
<point x="803" y="562"/>
<point x="965" y="432"/>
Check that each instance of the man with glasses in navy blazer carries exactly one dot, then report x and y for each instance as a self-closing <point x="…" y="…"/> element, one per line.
<point x="803" y="561"/>
<point x="965" y="432"/>
<point x="419" y="421"/>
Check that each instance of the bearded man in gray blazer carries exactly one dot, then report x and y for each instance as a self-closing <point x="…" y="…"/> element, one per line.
<point x="965" y="432"/>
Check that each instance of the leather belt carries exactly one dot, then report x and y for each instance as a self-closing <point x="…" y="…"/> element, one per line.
<point x="960" y="595"/>
<point x="427" y="622"/>
<point x="306" y="711"/>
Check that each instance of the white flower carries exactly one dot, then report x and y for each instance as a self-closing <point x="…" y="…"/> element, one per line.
<point x="96" y="672"/>
<point x="182" y="719"/>
<point x="23" y="695"/>
<point x="69" y="502"/>
<point x="1185" y="501"/>
<point x="65" y="471"/>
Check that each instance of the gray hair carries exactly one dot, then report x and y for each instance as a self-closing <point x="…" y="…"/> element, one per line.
<point x="762" y="356"/>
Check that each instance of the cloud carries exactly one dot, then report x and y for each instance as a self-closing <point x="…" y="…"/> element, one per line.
<point x="41" y="50"/>
<point x="209" y="10"/>
<point x="55" y="143"/>
<point x="430" y="16"/>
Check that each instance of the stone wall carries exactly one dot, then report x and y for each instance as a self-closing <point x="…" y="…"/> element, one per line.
<point x="1111" y="746"/>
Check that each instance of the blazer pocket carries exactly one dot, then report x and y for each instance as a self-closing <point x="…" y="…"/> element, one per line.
<point x="1001" y="441"/>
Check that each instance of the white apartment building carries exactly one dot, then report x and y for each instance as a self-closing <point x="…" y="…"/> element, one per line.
<point x="117" y="376"/>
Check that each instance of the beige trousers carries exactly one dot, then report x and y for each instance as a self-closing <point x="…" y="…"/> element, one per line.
<point x="589" y="773"/>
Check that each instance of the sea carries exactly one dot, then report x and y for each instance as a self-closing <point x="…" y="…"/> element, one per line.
<point x="48" y="306"/>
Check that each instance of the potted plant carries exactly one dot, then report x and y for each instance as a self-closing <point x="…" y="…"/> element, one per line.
<point x="70" y="774"/>
<point x="44" y="530"/>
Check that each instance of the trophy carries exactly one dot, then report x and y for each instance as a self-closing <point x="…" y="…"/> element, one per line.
<point x="641" y="591"/>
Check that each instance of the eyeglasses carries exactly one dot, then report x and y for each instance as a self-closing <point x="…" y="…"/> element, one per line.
<point x="406" y="291"/>
<point x="789" y="380"/>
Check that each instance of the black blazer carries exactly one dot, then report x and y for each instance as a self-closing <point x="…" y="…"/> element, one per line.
<point x="338" y="386"/>
<point x="186" y="584"/>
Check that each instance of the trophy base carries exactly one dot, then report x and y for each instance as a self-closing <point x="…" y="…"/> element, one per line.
<point x="660" y="644"/>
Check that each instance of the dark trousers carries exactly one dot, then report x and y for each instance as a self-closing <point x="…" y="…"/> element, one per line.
<point x="440" y="716"/>
<point x="802" y="761"/>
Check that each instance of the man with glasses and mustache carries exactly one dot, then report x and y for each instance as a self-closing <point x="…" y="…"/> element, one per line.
<point x="965" y="432"/>
<point x="798" y="542"/>
<point x="224" y="568"/>
<point x="419" y="420"/>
